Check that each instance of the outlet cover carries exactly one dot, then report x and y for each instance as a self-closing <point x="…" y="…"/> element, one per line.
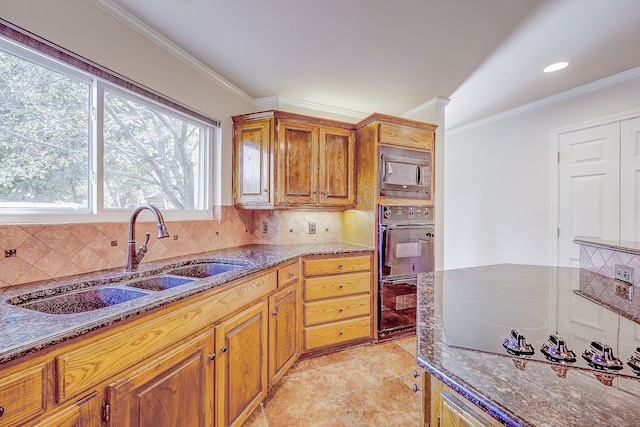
<point x="624" y="290"/>
<point x="624" y="273"/>
<point x="312" y="228"/>
<point x="265" y="227"/>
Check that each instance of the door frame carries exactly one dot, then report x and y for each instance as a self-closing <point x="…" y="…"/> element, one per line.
<point x="554" y="191"/>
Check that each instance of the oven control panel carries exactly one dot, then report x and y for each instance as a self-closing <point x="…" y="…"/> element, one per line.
<point x="405" y="214"/>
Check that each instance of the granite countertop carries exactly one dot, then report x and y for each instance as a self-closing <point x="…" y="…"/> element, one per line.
<point x="519" y="392"/>
<point x="24" y="331"/>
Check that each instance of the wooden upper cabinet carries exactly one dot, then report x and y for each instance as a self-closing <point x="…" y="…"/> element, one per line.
<point x="298" y="153"/>
<point x="253" y="182"/>
<point x="336" y="167"/>
<point x="313" y="161"/>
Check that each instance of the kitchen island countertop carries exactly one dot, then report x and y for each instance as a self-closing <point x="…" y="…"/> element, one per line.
<point x="24" y="331"/>
<point x="515" y="391"/>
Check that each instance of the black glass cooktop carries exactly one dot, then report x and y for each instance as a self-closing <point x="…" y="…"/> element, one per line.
<point x="543" y="320"/>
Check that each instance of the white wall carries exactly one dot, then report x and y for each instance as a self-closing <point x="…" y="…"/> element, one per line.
<point x="86" y="29"/>
<point x="497" y="195"/>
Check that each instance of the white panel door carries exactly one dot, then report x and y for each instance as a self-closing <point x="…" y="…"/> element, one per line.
<point x="589" y="192"/>
<point x="630" y="180"/>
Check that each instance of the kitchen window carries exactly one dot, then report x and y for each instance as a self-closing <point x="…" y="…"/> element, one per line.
<point x="79" y="143"/>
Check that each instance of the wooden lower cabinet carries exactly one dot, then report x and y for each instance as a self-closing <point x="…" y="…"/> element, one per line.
<point x="337" y="297"/>
<point x="241" y="364"/>
<point x="283" y="332"/>
<point x="174" y="389"/>
<point x="444" y="407"/>
<point x="85" y="413"/>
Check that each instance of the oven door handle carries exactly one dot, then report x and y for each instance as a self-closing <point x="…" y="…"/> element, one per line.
<point x="404" y="226"/>
<point x="407" y="280"/>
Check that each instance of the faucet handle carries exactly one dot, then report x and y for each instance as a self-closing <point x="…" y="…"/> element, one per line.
<point x="142" y="250"/>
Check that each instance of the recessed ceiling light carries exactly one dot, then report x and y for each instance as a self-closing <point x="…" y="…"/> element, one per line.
<point x="556" y="67"/>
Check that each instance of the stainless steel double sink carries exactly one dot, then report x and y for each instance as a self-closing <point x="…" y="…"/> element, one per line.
<point x="69" y="300"/>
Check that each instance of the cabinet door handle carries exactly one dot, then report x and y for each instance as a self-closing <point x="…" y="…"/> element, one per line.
<point x="340" y="333"/>
<point x="292" y="274"/>
<point x="323" y="192"/>
<point x="1" y="411"/>
<point x="415" y="374"/>
<point x="339" y="265"/>
<point x="274" y="313"/>
<point x="264" y="190"/>
<point x="212" y="356"/>
<point x="340" y="310"/>
<point x="415" y="388"/>
<point x="340" y="286"/>
<point x="223" y="349"/>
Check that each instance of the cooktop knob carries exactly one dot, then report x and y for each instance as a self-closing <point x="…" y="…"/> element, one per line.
<point x="411" y="212"/>
<point x="517" y="344"/>
<point x="601" y="356"/>
<point x="555" y="350"/>
<point x="387" y="212"/>
<point x="634" y="361"/>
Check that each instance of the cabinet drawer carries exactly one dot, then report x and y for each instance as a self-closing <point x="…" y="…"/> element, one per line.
<point x="339" y="285"/>
<point x="315" y="267"/>
<point x="288" y="275"/>
<point x="334" y="309"/>
<point x="23" y="396"/>
<point x="337" y="332"/>
<point x="406" y="136"/>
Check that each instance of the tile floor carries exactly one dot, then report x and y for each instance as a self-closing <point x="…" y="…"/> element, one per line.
<point x="368" y="385"/>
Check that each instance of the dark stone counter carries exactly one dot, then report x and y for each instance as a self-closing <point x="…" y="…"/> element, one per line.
<point x="520" y="392"/>
<point x="24" y="331"/>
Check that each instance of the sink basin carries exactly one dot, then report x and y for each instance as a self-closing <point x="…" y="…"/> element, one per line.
<point x="81" y="301"/>
<point x="200" y="271"/>
<point x="159" y="283"/>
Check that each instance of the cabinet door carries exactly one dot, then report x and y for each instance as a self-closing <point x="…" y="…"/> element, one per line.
<point x="253" y="163"/>
<point x="336" y="167"/>
<point x="85" y="413"/>
<point x="283" y="332"/>
<point x="297" y="163"/>
<point x="241" y="364"/>
<point x="175" y="389"/>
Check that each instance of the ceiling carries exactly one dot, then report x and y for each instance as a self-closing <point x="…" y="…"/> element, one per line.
<point x="392" y="57"/>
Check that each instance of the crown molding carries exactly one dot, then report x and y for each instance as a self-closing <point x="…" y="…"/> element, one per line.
<point x="276" y="102"/>
<point x="580" y="90"/>
<point x="438" y="101"/>
<point x="134" y="23"/>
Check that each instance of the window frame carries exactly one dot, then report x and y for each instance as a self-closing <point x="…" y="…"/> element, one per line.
<point x="32" y="48"/>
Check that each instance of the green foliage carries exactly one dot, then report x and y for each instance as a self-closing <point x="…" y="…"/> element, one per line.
<point x="45" y="140"/>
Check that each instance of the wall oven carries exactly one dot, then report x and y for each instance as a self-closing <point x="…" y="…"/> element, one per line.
<point x="404" y="173"/>
<point x="405" y="248"/>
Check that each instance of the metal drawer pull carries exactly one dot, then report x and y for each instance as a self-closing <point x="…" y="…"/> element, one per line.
<point x="415" y="388"/>
<point x="223" y="349"/>
<point x="274" y="313"/>
<point x="292" y="274"/>
<point x="339" y="265"/>
<point x="415" y="374"/>
<point x="340" y="310"/>
<point x="340" y="286"/>
<point x="340" y="333"/>
<point x="212" y="356"/>
<point x="1" y="411"/>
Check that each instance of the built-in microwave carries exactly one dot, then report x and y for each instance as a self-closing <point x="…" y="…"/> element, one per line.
<point x="405" y="173"/>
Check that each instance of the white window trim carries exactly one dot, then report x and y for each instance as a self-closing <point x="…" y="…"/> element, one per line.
<point x="209" y="174"/>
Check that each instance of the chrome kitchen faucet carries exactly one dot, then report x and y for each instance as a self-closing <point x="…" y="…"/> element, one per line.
<point x="134" y="257"/>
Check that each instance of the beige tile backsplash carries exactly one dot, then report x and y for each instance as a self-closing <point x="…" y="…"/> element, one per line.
<point x="58" y="250"/>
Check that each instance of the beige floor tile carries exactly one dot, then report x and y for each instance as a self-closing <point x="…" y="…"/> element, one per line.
<point x="389" y="403"/>
<point x="369" y="385"/>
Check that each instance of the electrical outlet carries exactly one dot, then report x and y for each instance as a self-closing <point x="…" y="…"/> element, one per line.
<point x="624" y="273"/>
<point x="624" y="290"/>
<point x="312" y="228"/>
<point x="265" y="227"/>
<point x="8" y="253"/>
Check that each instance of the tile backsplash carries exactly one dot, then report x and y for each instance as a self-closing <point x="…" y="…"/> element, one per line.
<point x="602" y="261"/>
<point x="46" y="251"/>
